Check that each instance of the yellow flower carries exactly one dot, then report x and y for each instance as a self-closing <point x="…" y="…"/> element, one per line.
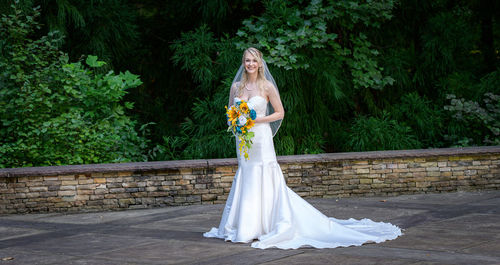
<point x="244" y="107"/>
<point x="243" y="148"/>
<point x="241" y="130"/>
<point x="232" y="113"/>
<point x="250" y="124"/>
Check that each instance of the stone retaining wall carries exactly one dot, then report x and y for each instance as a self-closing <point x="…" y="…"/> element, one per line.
<point x="156" y="184"/>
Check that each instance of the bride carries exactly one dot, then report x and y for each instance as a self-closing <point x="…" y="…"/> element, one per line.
<point x="260" y="206"/>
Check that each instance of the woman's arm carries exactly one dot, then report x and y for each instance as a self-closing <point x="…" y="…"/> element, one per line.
<point x="279" y="111"/>
<point x="232" y="94"/>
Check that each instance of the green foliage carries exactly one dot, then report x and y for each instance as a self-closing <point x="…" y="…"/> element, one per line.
<point x="284" y="30"/>
<point x="489" y="83"/>
<point x="444" y="42"/>
<point x="105" y="28"/>
<point x="311" y="144"/>
<point x="472" y="109"/>
<point x="483" y="120"/>
<point x="297" y="42"/>
<point x="206" y="131"/>
<point x="336" y="63"/>
<point x="419" y="114"/>
<point x="372" y="133"/>
<point x="53" y="112"/>
<point x="211" y="62"/>
<point x="170" y="149"/>
<point x="288" y="34"/>
<point x="195" y="52"/>
<point x="285" y="145"/>
<point x="364" y="68"/>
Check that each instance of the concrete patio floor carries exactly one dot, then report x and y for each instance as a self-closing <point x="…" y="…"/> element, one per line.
<point x="450" y="228"/>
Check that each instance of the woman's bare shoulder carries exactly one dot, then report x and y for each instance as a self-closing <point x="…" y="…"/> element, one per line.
<point x="270" y="88"/>
<point x="268" y="84"/>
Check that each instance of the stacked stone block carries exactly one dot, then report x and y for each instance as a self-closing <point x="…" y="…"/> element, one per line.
<point x="389" y="177"/>
<point x="117" y="190"/>
<point x="172" y="183"/>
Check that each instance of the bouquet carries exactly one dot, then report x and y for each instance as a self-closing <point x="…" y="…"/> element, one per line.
<point x="240" y="119"/>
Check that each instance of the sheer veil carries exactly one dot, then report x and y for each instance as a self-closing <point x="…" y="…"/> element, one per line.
<point x="275" y="125"/>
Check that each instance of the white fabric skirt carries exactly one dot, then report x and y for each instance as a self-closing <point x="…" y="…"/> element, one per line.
<point x="261" y="207"/>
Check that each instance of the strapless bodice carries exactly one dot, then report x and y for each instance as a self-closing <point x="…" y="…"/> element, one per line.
<point x="257" y="103"/>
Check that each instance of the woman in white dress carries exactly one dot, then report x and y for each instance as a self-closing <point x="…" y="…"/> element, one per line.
<point x="260" y="206"/>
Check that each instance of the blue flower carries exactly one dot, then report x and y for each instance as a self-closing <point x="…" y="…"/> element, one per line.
<point x="253" y="114"/>
<point x="238" y="129"/>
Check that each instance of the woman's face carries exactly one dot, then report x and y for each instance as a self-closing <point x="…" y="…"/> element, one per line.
<point x="251" y="63"/>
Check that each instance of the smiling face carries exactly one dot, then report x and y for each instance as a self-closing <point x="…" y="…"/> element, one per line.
<point x="251" y="63"/>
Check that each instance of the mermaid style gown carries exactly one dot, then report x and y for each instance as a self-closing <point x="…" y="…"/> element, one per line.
<point x="261" y="206"/>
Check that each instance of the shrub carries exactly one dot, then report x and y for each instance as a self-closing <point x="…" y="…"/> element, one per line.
<point x="483" y="120"/>
<point x="372" y="133"/>
<point x="53" y="112"/>
<point x="419" y="114"/>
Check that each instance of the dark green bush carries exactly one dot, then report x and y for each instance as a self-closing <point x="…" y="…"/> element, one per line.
<point x="419" y="114"/>
<point x="53" y="112"/>
<point x="373" y="133"/>
<point x="481" y="118"/>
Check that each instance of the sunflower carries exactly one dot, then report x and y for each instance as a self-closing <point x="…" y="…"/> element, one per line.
<point x="244" y="107"/>
<point x="232" y="113"/>
<point x="250" y="124"/>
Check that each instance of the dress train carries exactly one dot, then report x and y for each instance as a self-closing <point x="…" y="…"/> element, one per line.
<point x="261" y="206"/>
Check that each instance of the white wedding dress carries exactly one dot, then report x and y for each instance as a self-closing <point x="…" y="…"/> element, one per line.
<point x="260" y="205"/>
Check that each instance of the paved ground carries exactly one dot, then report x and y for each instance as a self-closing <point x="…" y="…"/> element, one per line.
<point x="452" y="228"/>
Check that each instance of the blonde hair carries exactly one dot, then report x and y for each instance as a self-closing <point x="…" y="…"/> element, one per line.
<point x="261" y="78"/>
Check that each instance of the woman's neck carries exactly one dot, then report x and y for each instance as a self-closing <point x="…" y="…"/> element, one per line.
<point x="252" y="78"/>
